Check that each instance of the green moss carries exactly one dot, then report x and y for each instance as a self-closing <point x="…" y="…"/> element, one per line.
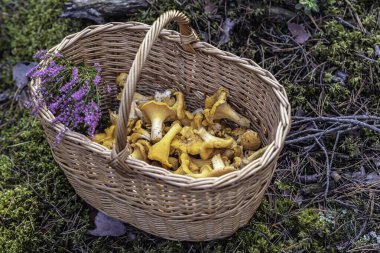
<point x="17" y="213"/>
<point x="45" y="205"/>
<point x="28" y="26"/>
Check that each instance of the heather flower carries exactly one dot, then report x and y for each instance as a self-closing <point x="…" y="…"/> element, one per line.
<point x="74" y="79"/>
<point x="97" y="80"/>
<point x="92" y="117"/>
<point x="41" y="54"/>
<point x="97" y="66"/>
<point x="78" y="95"/>
<point x="69" y="92"/>
<point x="57" y="54"/>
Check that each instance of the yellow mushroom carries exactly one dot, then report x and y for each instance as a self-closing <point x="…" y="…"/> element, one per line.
<point x="185" y="165"/>
<point x="188" y="119"/>
<point x="107" y="138"/>
<point x="145" y="143"/>
<point x="229" y="153"/>
<point x="250" y="140"/>
<point x="211" y="142"/>
<point x="179" y="105"/>
<point x="222" y="110"/>
<point x="237" y="162"/>
<point x="193" y="167"/>
<point x="219" y="166"/>
<point x="139" y="152"/>
<point x="189" y="142"/>
<point x="238" y="132"/>
<point x="200" y="162"/>
<point x="221" y="172"/>
<point x="139" y="129"/>
<point x="121" y="78"/>
<point x="134" y="137"/>
<point x="255" y="155"/>
<point x="197" y="121"/>
<point x="161" y="150"/>
<point x="211" y="100"/>
<point x="205" y="172"/>
<point x="130" y="125"/>
<point x="138" y="133"/>
<point x="174" y="162"/>
<point x="98" y="138"/>
<point x="157" y="113"/>
<point x="138" y="97"/>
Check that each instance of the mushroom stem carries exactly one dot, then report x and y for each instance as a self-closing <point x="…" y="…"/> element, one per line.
<point x="217" y="162"/>
<point x="156" y="131"/>
<point x="225" y="111"/>
<point x="255" y="155"/>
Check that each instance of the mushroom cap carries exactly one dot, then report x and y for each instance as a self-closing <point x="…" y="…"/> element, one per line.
<point x="188" y="142"/>
<point x="218" y="108"/>
<point x="153" y="109"/>
<point x="250" y="140"/>
<point x="221" y="93"/>
<point x="121" y="78"/>
<point x="179" y="105"/>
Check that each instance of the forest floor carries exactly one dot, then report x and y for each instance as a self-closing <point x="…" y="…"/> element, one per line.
<point x="325" y="193"/>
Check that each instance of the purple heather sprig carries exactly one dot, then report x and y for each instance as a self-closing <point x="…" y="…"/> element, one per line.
<point x="69" y="92"/>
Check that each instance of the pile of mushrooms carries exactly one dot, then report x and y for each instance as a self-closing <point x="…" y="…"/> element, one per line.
<point x="198" y="144"/>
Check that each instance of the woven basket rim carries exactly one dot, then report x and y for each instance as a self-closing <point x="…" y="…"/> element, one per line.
<point x="167" y="176"/>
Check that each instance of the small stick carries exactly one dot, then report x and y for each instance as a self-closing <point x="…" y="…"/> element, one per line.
<point x="311" y="136"/>
<point x="342" y="120"/>
<point x="328" y="168"/>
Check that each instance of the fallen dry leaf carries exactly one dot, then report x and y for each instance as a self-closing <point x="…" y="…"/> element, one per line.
<point x="19" y="73"/>
<point x="299" y="33"/>
<point x="227" y="26"/>
<point x="107" y="226"/>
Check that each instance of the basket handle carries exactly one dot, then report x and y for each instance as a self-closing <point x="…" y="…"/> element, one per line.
<point x="187" y="36"/>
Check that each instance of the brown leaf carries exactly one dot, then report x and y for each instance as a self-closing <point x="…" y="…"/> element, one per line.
<point x="299" y="33"/>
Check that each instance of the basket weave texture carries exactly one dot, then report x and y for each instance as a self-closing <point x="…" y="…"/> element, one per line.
<point x="150" y="198"/>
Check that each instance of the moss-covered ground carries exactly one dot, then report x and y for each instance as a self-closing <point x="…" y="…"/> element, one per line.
<point x="40" y="212"/>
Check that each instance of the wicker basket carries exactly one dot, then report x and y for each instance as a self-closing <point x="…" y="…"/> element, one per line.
<point x="150" y="198"/>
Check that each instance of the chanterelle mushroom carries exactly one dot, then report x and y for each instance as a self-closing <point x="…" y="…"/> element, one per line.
<point x="219" y="167"/>
<point x="211" y="142"/>
<point x="161" y="150"/>
<point x="121" y="78"/>
<point x="139" y="152"/>
<point x="250" y="140"/>
<point x="255" y="155"/>
<point x="157" y="113"/>
<point x="185" y="165"/>
<point x="189" y="142"/>
<point x="179" y="105"/>
<point x="222" y="110"/>
<point x="107" y="138"/>
<point x="138" y="133"/>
